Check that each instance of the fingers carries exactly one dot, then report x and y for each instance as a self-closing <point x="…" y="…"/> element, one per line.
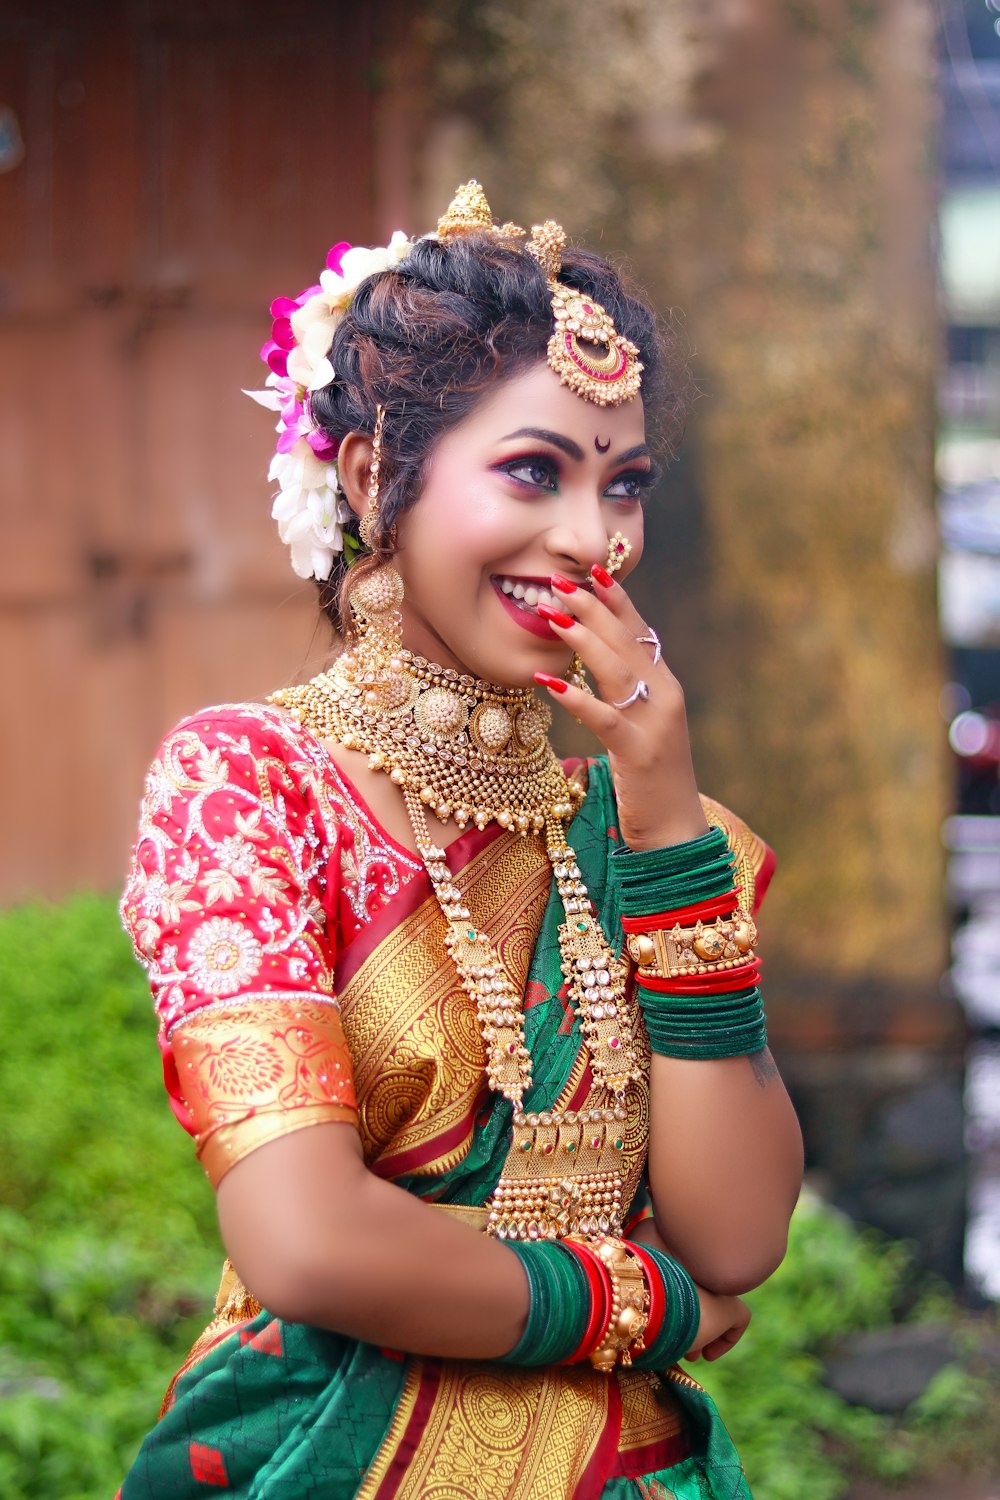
<point x="606" y="633"/>
<point x="724" y="1321"/>
<point x="605" y="591"/>
<point x="723" y="1344"/>
<point x="614" y="673"/>
<point x="601" y="718"/>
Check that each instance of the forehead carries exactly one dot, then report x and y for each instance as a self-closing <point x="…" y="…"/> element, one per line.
<point x="537" y="398"/>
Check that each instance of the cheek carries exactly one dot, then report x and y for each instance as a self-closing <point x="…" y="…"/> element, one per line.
<point x="459" y="521"/>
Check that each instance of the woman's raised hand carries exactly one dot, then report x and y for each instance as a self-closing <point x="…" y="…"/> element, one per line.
<point x="639" y="715"/>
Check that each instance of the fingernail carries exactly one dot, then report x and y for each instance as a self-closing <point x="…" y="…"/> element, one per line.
<point x="564" y="585"/>
<point x="554" y="684"/>
<point x="602" y="576"/>
<point x="555" y="616"/>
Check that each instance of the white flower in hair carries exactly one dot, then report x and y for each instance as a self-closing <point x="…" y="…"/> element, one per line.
<point x="309" y="507"/>
<point x="340" y="284"/>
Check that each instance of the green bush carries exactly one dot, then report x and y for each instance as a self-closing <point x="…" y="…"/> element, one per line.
<point x="786" y="1423"/>
<point x="109" y="1256"/>
<point x="108" y="1246"/>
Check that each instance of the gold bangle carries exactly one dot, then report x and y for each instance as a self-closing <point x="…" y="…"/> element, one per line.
<point x="629" y="1312"/>
<point x="706" y="948"/>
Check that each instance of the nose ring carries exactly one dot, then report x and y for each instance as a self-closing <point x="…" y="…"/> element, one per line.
<point x="619" y="548"/>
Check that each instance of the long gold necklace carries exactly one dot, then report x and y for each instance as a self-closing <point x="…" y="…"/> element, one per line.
<point x="474" y="752"/>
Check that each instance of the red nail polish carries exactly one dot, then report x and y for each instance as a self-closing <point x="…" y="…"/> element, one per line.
<point x="602" y="576"/>
<point x="564" y="585"/>
<point x="554" y="684"/>
<point x="555" y="616"/>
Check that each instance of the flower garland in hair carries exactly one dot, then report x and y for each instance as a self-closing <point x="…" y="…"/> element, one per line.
<point x="309" y="505"/>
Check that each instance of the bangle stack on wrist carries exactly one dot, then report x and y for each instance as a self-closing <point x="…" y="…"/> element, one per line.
<point x="606" y="1301"/>
<point x="697" y="971"/>
<point x="673" y="1333"/>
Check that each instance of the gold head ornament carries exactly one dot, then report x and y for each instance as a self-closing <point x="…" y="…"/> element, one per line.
<point x="469" y="213"/>
<point x="586" y="351"/>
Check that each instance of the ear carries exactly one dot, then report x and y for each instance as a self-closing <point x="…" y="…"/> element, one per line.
<point x="354" y="457"/>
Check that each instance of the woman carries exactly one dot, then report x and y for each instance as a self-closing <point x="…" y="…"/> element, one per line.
<point x="483" y="1176"/>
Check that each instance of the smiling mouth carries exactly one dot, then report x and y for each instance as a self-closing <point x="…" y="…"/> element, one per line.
<point x="525" y="593"/>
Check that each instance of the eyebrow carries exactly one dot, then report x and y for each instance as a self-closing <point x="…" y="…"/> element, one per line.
<point x="571" y="449"/>
<point x="567" y="445"/>
<point x="641" y="450"/>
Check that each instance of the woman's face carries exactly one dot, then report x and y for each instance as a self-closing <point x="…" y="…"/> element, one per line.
<point x="533" y="482"/>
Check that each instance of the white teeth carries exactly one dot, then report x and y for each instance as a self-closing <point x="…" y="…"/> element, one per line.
<point x="531" y="595"/>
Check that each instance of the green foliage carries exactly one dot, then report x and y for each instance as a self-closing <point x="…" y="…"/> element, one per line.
<point x="789" y="1426"/>
<point x="109" y="1256"/>
<point x="108" y="1245"/>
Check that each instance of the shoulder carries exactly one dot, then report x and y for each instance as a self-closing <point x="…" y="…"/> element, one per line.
<point x="252" y="744"/>
<point x="243" y="728"/>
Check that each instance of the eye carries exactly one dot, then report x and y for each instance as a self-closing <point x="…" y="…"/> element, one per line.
<point x="632" y="486"/>
<point x="536" y="472"/>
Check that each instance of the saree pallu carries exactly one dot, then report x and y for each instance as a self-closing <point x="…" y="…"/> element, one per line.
<point x="266" y="1408"/>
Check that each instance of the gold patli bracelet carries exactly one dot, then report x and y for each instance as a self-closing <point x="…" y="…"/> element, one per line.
<point x="706" y="948"/>
<point x="629" y="1313"/>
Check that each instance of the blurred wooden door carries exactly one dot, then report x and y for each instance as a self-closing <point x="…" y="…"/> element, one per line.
<point x="165" y="170"/>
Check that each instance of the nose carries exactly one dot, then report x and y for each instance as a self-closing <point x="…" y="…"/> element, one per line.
<point x="578" y="535"/>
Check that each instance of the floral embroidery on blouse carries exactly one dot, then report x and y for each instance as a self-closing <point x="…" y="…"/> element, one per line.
<point x="254" y="864"/>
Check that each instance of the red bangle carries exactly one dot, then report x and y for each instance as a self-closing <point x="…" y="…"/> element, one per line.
<point x="722" y="982"/>
<point x="657" y="1294"/>
<point x="600" y="1299"/>
<point x="681" y="915"/>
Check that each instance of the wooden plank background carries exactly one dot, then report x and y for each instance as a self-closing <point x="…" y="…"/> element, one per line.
<point x="184" y="163"/>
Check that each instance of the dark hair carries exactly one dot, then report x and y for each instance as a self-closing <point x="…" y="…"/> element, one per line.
<point x="428" y="338"/>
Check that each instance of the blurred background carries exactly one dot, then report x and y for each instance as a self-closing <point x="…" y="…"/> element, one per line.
<point x="814" y="187"/>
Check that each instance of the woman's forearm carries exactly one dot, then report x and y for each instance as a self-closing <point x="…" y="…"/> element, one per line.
<point x="318" y="1239"/>
<point x="725" y="1166"/>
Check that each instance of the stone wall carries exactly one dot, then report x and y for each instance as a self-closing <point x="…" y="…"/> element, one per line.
<point x="766" y="166"/>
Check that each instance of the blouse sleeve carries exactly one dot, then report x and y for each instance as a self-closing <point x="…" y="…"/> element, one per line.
<point x="226" y="904"/>
<point x="754" y="860"/>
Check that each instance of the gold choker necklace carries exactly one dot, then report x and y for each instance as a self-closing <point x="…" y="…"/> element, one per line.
<point x="472" y="752"/>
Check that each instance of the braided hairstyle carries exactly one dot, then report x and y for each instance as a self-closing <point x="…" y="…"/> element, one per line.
<point x="427" y="339"/>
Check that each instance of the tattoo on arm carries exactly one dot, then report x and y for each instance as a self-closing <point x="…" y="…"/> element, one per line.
<point x="764" y="1066"/>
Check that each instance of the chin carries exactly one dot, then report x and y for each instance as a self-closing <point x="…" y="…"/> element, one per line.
<point x="517" y="671"/>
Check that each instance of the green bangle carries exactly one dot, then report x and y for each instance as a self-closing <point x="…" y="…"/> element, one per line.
<point x="671" y="859"/>
<point x="559" y="1306"/>
<point x="681" y="1319"/>
<point x="649" y="880"/>
<point x="730" y="1024"/>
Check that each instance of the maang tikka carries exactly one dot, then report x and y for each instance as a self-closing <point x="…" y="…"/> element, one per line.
<point x="585" y="351"/>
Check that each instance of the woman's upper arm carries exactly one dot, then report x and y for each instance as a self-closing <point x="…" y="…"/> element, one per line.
<point x="227" y="904"/>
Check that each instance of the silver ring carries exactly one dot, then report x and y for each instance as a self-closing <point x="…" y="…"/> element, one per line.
<point x="639" y="693"/>
<point x="652" y="639"/>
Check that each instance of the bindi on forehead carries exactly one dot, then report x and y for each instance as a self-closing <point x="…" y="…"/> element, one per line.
<point x="602" y="447"/>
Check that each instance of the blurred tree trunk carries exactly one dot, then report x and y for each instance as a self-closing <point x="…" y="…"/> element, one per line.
<point x="765" y="167"/>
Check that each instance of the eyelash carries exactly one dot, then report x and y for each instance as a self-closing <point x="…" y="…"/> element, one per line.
<point x="643" y="479"/>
